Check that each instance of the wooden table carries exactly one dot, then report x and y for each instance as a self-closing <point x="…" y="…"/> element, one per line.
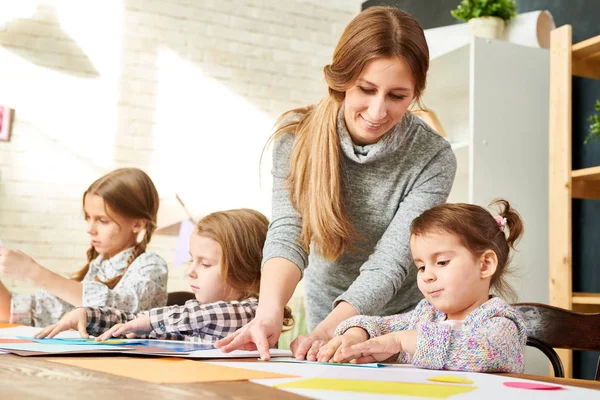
<point x="34" y="377"/>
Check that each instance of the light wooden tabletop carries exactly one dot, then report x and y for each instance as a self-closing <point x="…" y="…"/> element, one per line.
<point x="36" y="378"/>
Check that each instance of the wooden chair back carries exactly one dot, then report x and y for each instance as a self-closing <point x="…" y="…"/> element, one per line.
<point x="550" y="327"/>
<point x="179" y="298"/>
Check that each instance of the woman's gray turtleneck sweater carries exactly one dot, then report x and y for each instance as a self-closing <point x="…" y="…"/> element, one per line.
<point x="387" y="184"/>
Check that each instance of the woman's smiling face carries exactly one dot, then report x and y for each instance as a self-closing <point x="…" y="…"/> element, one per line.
<point x="378" y="99"/>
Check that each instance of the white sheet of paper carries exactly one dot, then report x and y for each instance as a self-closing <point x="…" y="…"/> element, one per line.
<point x="489" y="386"/>
<point x="293" y="360"/>
<point x="30" y="331"/>
<point x="216" y="353"/>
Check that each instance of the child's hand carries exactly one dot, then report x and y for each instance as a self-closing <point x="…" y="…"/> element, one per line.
<point x="307" y="346"/>
<point x="373" y="350"/>
<point x="17" y="265"/>
<point x="76" y="319"/>
<point x="139" y="325"/>
<point x="332" y="350"/>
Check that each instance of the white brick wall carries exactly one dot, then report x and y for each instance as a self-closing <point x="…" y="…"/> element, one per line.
<point x="186" y="90"/>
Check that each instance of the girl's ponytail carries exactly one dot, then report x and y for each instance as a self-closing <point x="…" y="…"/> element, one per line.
<point x="288" y="319"/>
<point x="511" y="219"/>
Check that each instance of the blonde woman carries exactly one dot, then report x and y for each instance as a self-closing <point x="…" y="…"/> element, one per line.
<point x="349" y="176"/>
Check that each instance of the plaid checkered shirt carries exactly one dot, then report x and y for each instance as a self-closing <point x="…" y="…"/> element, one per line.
<point x="194" y="322"/>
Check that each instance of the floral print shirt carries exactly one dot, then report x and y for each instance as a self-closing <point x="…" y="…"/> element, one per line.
<point x="142" y="287"/>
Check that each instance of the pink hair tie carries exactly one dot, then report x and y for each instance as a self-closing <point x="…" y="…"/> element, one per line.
<point x="501" y="221"/>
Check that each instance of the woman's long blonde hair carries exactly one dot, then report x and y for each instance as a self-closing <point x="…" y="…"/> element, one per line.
<point x="241" y="233"/>
<point x="316" y="181"/>
<point x="131" y="193"/>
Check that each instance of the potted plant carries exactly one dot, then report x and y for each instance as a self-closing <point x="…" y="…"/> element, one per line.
<point x="486" y="18"/>
<point x="594" y="133"/>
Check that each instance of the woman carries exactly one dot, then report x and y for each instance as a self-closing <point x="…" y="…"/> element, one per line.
<point x="349" y="176"/>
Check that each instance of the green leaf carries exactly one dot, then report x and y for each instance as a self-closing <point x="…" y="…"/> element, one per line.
<point x="594" y="128"/>
<point x="469" y="9"/>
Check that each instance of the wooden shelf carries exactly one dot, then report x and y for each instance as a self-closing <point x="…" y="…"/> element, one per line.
<point x="586" y="174"/>
<point x="586" y="298"/>
<point x="586" y="58"/>
<point x="586" y="183"/>
<point x="589" y="48"/>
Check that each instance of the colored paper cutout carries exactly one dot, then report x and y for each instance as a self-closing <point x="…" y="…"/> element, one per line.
<point x="109" y="341"/>
<point x="293" y="360"/>
<point x="449" y="379"/>
<point x="4" y="325"/>
<point x="15" y="341"/>
<point x="176" y="346"/>
<point x="169" y="370"/>
<point x="379" y="387"/>
<point x="79" y="341"/>
<point x="531" y="386"/>
<point x="218" y="354"/>
<point x="8" y="331"/>
<point x="57" y="348"/>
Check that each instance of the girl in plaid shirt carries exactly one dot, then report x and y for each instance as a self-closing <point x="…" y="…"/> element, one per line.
<point x="460" y="251"/>
<point x="224" y="274"/>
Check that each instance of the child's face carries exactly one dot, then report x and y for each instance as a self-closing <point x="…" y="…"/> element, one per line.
<point x="450" y="276"/>
<point x="204" y="271"/>
<point x="108" y="234"/>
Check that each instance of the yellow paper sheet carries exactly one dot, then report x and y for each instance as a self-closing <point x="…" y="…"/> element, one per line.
<point x="7" y="325"/>
<point x="379" y="387"/>
<point x="166" y="370"/>
<point x="449" y="379"/>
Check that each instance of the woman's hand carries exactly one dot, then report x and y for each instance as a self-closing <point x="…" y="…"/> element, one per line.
<point x="140" y="325"/>
<point x="75" y="319"/>
<point x="332" y="350"/>
<point x="374" y="350"/>
<point x="17" y="265"/>
<point x="259" y="334"/>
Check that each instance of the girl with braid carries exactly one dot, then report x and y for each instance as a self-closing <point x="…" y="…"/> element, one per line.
<point x="119" y="208"/>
